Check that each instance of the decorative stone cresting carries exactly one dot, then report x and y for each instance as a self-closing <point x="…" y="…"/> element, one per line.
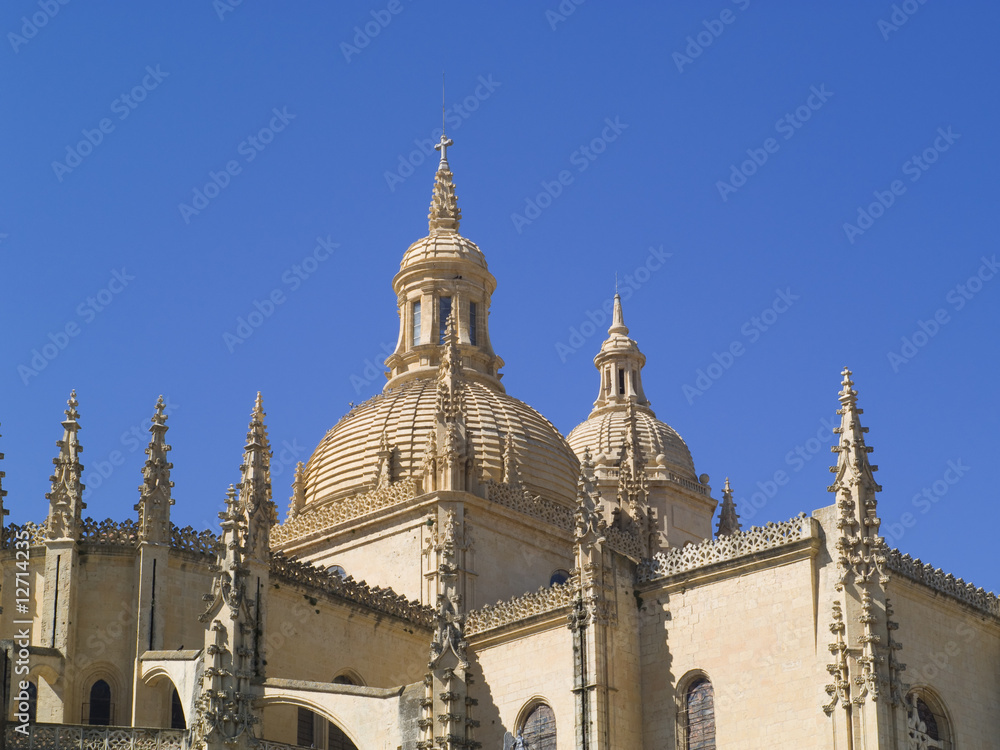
<point x="74" y="737"/>
<point x="190" y="540"/>
<point x="109" y="532"/>
<point x="326" y="516"/>
<point x="519" y="499"/>
<point x="741" y="544"/>
<point x="543" y="601"/>
<point x="36" y="534"/>
<point x="625" y="543"/>
<point x="945" y="583"/>
<point x="305" y="574"/>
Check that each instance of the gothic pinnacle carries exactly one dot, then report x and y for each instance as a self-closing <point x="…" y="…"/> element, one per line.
<point x="66" y="498"/>
<point x="444" y="213"/>
<point x="154" y="492"/>
<point x="729" y="521"/>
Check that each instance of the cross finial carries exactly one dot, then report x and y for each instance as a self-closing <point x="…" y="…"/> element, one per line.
<point x="443" y="147"/>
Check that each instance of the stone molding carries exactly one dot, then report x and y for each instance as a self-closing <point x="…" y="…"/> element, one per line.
<point x="944" y="583"/>
<point x="387" y="601"/>
<point x="518" y="609"/>
<point x="754" y="540"/>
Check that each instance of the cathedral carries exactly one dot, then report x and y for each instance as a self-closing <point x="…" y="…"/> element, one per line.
<point x="454" y="573"/>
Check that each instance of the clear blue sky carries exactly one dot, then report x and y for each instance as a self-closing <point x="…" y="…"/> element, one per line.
<point x="832" y="100"/>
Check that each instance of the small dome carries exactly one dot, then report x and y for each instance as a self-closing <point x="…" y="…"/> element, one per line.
<point x="446" y="246"/>
<point x="345" y="461"/>
<point x="604" y="433"/>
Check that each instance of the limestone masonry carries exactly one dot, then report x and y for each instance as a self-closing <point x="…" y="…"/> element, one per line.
<point x="453" y="573"/>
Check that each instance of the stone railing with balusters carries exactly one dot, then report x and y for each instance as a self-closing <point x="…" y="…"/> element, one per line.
<point x="712" y="551"/>
<point x="521" y="500"/>
<point x="338" y="511"/>
<point x="75" y="737"/>
<point x="945" y="583"/>
<point x="373" y="597"/>
<point x="519" y="608"/>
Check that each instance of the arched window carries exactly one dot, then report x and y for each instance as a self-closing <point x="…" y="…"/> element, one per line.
<point x="100" y="709"/>
<point x="539" y="729"/>
<point x="926" y="723"/>
<point x="558" y="576"/>
<point x="310" y="733"/>
<point x="176" y="711"/>
<point x="344" y="679"/>
<point x="697" y="715"/>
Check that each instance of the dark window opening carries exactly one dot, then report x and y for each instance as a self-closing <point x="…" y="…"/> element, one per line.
<point x="472" y="323"/>
<point x="100" y="710"/>
<point x="32" y="701"/>
<point x="176" y="712"/>
<point x="445" y="312"/>
<point x="621" y="381"/>
<point x="305" y="735"/>
<point x="343" y="679"/>
<point x="336" y="739"/>
<point x="558" y="577"/>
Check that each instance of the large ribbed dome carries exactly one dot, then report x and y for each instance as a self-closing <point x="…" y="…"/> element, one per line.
<point x="604" y="434"/>
<point x="443" y="246"/>
<point x="345" y="461"/>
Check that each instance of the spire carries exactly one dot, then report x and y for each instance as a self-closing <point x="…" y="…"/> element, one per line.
<point x="862" y="550"/>
<point x="3" y="494"/>
<point x="255" y="487"/>
<point x="66" y="498"/>
<point x="729" y="521"/>
<point x="617" y="318"/>
<point x="445" y="214"/>
<point x="154" y="492"/>
<point x="298" y="500"/>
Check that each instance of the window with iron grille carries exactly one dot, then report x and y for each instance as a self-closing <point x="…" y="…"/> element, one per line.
<point x="416" y="323"/>
<point x="306" y="734"/>
<point x="539" y="731"/>
<point x="698" y="716"/>
<point x="336" y="739"/>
